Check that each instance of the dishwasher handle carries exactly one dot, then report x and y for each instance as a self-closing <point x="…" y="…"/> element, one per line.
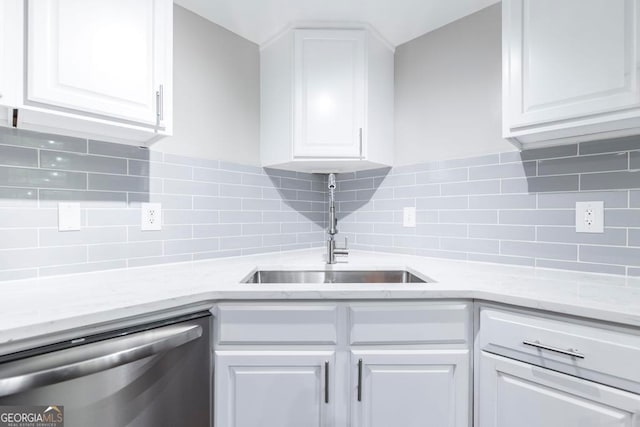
<point x="63" y="365"/>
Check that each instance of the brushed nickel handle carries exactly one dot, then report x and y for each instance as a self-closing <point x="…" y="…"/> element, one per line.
<point x="570" y="352"/>
<point x="326" y="382"/>
<point x="360" y="380"/>
<point x="360" y="137"/>
<point x="160" y="103"/>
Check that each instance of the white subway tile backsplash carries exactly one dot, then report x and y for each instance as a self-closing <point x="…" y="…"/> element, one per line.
<point x="16" y="197"/>
<point x="20" y="217"/>
<point x="634" y="160"/>
<point x="82" y="162"/>
<point x="503" y="232"/>
<point x="118" y="150"/>
<point x="610" y="145"/>
<point x="87" y="235"/>
<point x="539" y="250"/>
<point x="190" y="246"/>
<point x="210" y="208"/>
<point x="610" y="180"/>
<point x="583" y="164"/>
<point x="541" y="184"/>
<point x="611" y="236"/>
<point x="622" y="218"/>
<point x="16" y="238"/>
<point x="497" y="208"/>
<point x="471" y="187"/>
<point x="18" y="156"/>
<point x="508" y="170"/>
<point x="610" y="255"/>
<point x="25" y="138"/>
<point x="537" y="217"/>
<point x="13" y="259"/>
<point x="567" y="200"/>
<point x="42" y="178"/>
<point x="113" y="251"/>
<point x="510" y="208"/>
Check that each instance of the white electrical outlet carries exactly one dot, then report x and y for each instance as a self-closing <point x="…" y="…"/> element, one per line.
<point x="409" y="217"/>
<point x="151" y="216"/>
<point x="68" y="216"/>
<point x="590" y="217"/>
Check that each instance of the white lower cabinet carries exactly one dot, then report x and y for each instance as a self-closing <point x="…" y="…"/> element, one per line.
<point x="274" y="388"/>
<point x="380" y="364"/>
<point x="514" y="393"/>
<point x="408" y="388"/>
<point x="535" y="369"/>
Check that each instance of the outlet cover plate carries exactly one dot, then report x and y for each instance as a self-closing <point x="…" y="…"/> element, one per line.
<point x="151" y="216"/>
<point x="409" y="217"/>
<point x="589" y="217"/>
<point x="68" y="216"/>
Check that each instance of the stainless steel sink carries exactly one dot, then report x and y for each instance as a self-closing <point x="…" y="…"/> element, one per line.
<point x="333" y="276"/>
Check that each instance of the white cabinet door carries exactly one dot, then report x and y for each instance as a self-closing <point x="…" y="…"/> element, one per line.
<point x="9" y="58"/>
<point x="566" y="59"/>
<point x="512" y="393"/>
<point x="274" y="388"/>
<point x="102" y="58"/>
<point x="330" y="84"/>
<point x="410" y="388"/>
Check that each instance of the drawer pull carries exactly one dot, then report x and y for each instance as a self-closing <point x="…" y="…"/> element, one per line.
<point x="359" y="380"/>
<point x="570" y="352"/>
<point x="326" y="382"/>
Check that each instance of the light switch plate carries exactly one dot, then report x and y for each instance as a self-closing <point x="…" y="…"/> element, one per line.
<point x="409" y="217"/>
<point x="151" y="216"/>
<point x="68" y="216"/>
<point x="590" y="217"/>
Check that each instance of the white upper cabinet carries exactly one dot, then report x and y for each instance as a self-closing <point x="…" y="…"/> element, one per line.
<point x="327" y="101"/>
<point x="570" y="70"/>
<point x="95" y="68"/>
<point x="329" y="93"/>
<point x="9" y="44"/>
<point x="100" y="57"/>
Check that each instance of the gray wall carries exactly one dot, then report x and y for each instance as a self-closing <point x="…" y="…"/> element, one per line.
<point x="216" y="93"/>
<point x="448" y="91"/>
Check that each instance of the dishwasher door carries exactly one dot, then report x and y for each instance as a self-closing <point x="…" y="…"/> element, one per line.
<point x="155" y="376"/>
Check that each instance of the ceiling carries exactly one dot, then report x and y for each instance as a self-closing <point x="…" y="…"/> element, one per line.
<point x="398" y="21"/>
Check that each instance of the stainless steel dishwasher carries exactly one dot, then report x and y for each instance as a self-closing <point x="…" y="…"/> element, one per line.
<point x="157" y="374"/>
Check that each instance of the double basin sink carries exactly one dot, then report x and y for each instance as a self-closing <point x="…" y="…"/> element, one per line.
<point x="334" y="276"/>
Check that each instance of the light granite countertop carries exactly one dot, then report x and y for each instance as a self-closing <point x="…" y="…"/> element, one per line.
<point x="42" y="307"/>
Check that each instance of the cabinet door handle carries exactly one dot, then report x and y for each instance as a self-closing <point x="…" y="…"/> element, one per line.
<point x="359" y="380"/>
<point x="570" y="352"/>
<point x="160" y="103"/>
<point x="326" y="382"/>
<point x="360" y="138"/>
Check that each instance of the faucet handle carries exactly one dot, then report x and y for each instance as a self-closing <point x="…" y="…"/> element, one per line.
<point x="346" y="244"/>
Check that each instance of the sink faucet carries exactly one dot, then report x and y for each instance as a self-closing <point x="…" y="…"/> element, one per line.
<point x="332" y="249"/>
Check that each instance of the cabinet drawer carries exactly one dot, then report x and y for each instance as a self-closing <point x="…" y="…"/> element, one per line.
<point x="276" y="324"/>
<point x="410" y="323"/>
<point x="606" y="355"/>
